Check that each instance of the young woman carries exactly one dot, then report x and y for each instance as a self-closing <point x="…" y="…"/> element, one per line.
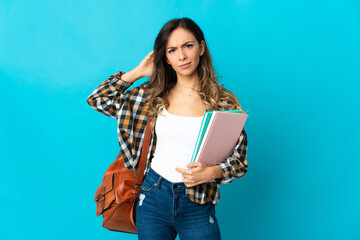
<point x="182" y="85"/>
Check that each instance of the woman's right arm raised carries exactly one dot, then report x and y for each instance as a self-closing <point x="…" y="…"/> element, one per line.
<point x="109" y="96"/>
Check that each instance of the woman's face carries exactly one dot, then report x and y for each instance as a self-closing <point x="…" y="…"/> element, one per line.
<point x="183" y="48"/>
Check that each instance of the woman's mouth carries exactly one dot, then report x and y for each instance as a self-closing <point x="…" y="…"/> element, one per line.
<point x="185" y="65"/>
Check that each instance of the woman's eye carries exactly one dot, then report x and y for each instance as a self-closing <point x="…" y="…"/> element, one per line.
<point x="170" y="51"/>
<point x="189" y="45"/>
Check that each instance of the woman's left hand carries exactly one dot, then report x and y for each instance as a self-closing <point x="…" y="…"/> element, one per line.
<point x="199" y="173"/>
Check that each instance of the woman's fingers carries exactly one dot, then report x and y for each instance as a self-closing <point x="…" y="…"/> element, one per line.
<point x="147" y="64"/>
<point x="150" y="55"/>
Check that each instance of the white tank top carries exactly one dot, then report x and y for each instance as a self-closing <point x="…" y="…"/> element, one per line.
<point x="175" y="141"/>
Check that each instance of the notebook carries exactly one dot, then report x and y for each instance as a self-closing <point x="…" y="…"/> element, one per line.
<point x="218" y="135"/>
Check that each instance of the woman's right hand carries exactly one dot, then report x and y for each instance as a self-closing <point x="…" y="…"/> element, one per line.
<point x="145" y="68"/>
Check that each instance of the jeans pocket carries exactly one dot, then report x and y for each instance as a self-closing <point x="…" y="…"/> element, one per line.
<point x="148" y="185"/>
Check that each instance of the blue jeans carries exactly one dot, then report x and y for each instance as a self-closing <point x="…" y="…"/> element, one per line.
<point x="163" y="211"/>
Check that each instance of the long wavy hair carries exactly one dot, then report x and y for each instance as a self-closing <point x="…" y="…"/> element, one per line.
<point x="163" y="77"/>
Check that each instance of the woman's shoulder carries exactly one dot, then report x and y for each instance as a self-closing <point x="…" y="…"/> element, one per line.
<point x="228" y="99"/>
<point x="226" y="93"/>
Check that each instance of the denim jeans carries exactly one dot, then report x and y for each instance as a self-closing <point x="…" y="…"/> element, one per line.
<point x="163" y="211"/>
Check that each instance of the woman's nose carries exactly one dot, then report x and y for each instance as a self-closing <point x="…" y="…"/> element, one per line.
<point x="181" y="54"/>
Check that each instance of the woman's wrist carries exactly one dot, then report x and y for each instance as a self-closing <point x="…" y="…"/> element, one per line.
<point x="216" y="172"/>
<point x="131" y="76"/>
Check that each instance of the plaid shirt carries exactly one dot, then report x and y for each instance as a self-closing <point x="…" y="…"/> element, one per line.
<point x="127" y="107"/>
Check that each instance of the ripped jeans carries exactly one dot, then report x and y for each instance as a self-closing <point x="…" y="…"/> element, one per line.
<point x="163" y="211"/>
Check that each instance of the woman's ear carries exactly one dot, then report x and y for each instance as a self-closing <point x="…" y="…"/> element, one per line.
<point x="202" y="47"/>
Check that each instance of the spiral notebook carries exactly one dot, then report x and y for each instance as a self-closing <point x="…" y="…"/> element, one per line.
<point x="218" y="135"/>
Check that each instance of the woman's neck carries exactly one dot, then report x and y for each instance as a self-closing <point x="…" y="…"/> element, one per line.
<point x="187" y="82"/>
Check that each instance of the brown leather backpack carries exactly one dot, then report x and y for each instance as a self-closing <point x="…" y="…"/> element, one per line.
<point x="117" y="196"/>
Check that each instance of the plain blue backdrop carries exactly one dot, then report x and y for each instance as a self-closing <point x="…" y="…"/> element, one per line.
<point x="295" y="65"/>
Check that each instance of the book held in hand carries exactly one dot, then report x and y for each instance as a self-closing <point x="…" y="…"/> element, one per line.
<point x="218" y="135"/>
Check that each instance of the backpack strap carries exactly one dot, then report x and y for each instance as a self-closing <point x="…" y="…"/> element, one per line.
<point x="144" y="154"/>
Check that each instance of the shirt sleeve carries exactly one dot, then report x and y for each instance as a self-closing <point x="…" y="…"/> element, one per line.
<point x="109" y="96"/>
<point x="236" y="165"/>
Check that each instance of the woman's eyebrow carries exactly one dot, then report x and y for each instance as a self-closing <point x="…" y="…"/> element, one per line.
<point x="182" y="44"/>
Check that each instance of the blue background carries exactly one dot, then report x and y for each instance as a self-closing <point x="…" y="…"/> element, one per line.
<point x="295" y="65"/>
